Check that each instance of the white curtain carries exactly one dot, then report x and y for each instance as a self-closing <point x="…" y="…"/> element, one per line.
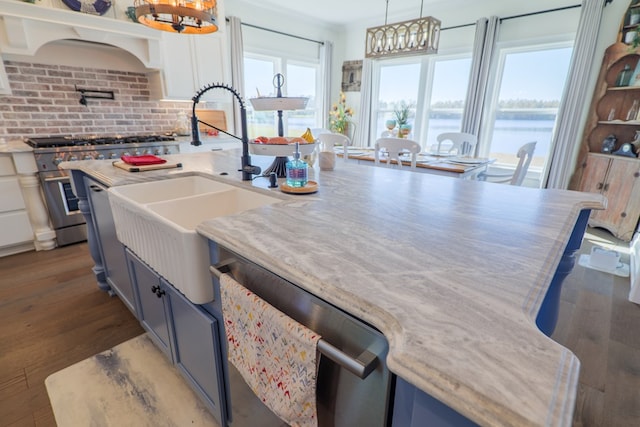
<point x="483" y="48"/>
<point x="326" y="63"/>
<point x="362" y="138"/>
<point x="567" y="136"/>
<point x="237" y="66"/>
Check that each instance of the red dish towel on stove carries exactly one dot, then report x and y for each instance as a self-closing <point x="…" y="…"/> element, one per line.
<point x="143" y="160"/>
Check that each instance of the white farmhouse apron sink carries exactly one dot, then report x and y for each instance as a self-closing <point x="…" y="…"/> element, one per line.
<point x="157" y="221"/>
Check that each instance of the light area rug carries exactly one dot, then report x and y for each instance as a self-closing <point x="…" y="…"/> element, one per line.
<point x="133" y="384"/>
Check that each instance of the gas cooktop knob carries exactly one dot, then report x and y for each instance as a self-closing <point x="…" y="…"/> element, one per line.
<point x="157" y="151"/>
<point x="73" y="158"/>
<point x="87" y="157"/>
<point x="136" y="153"/>
<point x="57" y="160"/>
<point x="113" y="155"/>
<point x="167" y="150"/>
<point x="126" y="153"/>
<point x="146" y="152"/>
<point x="100" y="156"/>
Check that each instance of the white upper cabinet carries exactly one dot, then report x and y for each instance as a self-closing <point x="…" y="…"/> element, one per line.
<point x="192" y="61"/>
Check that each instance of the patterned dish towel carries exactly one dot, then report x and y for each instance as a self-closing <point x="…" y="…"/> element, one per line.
<point x="275" y="355"/>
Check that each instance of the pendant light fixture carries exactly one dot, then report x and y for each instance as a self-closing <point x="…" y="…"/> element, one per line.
<point x="178" y="16"/>
<point x="417" y="36"/>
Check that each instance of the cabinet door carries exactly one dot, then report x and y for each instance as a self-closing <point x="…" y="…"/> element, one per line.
<point x="210" y="65"/>
<point x="178" y="71"/>
<point x="154" y="307"/>
<point x="594" y="174"/>
<point x="593" y="181"/>
<point x="192" y="61"/>
<point x="14" y="220"/>
<point x="621" y="188"/>
<point x="197" y="352"/>
<point x="113" y="254"/>
<point x="11" y="199"/>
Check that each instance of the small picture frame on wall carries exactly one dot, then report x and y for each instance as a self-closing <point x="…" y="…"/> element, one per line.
<point x="351" y="76"/>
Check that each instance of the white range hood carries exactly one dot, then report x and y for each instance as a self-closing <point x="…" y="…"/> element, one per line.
<point x="25" y="27"/>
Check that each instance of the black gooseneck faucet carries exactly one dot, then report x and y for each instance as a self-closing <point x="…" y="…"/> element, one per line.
<point x="247" y="169"/>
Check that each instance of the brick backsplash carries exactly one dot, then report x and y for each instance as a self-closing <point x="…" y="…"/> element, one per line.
<point x="44" y="102"/>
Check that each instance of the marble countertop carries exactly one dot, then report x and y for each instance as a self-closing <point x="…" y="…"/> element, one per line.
<point x="14" y="146"/>
<point x="453" y="272"/>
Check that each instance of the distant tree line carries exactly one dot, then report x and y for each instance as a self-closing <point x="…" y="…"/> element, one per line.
<point x="455" y="109"/>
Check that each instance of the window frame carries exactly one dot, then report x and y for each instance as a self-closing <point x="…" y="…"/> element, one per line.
<point x="280" y="63"/>
<point x="424" y="91"/>
<point x="503" y="49"/>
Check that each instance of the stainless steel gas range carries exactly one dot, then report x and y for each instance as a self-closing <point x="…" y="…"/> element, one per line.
<point x="66" y="219"/>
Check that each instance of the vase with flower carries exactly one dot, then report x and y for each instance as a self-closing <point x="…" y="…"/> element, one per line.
<point x="339" y="116"/>
<point x="402" y="115"/>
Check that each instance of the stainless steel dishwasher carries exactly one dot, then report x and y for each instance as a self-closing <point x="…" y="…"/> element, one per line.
<point x="354" y="384"/>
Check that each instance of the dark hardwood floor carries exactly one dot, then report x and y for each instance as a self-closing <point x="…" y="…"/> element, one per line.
<point x="602" y="327"/>
<point x="52" y="315"/>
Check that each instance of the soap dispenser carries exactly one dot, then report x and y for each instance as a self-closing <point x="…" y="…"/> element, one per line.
<point x="297" y="174"/>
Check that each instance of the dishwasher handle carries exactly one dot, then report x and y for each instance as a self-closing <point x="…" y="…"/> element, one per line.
<point x="360" y="366"/>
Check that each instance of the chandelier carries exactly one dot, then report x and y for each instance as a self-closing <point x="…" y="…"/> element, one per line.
<point x="178" y="16"/>
<point x="416" y="36"/>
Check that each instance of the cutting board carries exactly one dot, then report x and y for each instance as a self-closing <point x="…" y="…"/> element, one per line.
<point x="217" y="118"/>
<point x="131" y="168"/>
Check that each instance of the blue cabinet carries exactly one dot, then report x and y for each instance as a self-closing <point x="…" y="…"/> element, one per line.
<point x="415" y="408"/>
<point x="198" y="353"/>
<point x="186" y="334"/>
<point x="116" y="274"/>
<point x="154" y="305"/>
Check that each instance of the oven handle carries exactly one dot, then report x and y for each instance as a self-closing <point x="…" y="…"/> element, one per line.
<point x="360" y="366"/>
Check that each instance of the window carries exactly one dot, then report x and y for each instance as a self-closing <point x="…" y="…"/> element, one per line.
<point x="448" y="93"/>
<point x="433" y="86"/>
<point x="399" y="82"/>
<point x="530" y="83"/>
<point x="301" y="79"/>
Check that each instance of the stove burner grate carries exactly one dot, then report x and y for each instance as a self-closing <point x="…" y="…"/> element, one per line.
<point x="68" y="141"/>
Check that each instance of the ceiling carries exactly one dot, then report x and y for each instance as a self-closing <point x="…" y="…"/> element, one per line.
<point x="342" y="12"/>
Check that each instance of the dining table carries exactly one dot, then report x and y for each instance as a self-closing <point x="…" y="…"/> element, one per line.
<point x="465" y="167"/>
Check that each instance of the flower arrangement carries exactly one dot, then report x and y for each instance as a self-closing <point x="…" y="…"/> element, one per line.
<point x="339" y="115"/>
<point x="402" y="113"/>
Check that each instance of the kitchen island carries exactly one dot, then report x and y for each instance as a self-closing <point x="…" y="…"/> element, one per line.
<point x="452" y="272"/>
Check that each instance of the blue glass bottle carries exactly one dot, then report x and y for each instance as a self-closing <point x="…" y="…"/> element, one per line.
<point x="297" y="174"/>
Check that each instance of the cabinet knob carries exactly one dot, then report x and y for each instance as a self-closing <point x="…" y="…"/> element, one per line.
<point x="156" y="290"/>
<point x="599" y="186"/>
<point x="637" y="174"/>
<point x="606" y="187"/>
<point x="623" y="214"/>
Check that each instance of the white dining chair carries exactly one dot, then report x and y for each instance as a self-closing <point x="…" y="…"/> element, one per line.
<point x="460" y="143"/>
<point x="525" y="154"/>
<point x="395" y="146"/>
<point x="334" y="139"/>
<point x="317" y="131"/>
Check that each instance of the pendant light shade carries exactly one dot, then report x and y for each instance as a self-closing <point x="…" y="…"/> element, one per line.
<point x="416" y="36"/>
<point x="178" y="16"/>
